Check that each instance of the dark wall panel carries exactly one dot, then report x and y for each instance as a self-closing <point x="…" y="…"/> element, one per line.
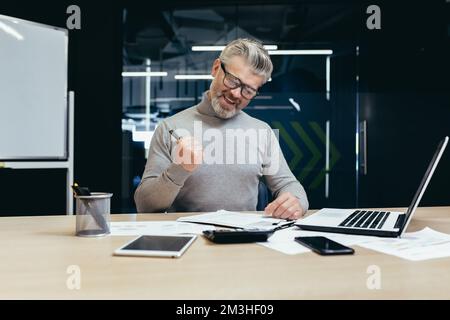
<point x="95" y="75"/>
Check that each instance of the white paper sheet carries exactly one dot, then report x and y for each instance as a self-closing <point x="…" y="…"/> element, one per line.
<point x="283" y="240"/>
<point x="416" y="246"/>
<point x="237" y="220"/>
<point x="135" y="228"/>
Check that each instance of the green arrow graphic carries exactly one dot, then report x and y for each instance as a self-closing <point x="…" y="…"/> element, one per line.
<point x="316" y="155"/>
<point x="298" y="155"/>
<point x="334" y="153"/>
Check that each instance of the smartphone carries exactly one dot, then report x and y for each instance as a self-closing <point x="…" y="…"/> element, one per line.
<point x="324" y="246"/>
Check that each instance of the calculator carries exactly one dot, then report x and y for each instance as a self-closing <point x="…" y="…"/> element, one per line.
<point x="237" y="235"/>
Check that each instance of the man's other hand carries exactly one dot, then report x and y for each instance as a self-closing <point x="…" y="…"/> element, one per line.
<point x="286" y="206"/>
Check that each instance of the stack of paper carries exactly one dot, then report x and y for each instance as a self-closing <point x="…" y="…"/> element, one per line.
<point x="238" y="220"/>
<point x="416" y="246"/>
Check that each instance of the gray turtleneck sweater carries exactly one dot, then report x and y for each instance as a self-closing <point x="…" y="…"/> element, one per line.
<point x="220" y="184"/>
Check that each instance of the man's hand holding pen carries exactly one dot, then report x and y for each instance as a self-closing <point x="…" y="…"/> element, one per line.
<point x="188" y="152"/>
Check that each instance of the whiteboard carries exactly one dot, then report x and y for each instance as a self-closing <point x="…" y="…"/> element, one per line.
<point x="33" y="91"/>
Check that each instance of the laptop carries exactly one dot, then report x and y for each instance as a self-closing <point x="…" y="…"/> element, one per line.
<point x="369" y="222"/>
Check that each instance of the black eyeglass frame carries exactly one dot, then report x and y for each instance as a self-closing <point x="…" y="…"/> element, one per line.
<point x="237" y="80"/>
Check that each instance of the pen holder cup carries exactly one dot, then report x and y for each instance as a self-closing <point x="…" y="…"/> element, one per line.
<point x="93" y="214"/>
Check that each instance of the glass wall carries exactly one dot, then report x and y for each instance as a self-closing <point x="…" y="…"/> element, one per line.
<point x="168" y="54"/>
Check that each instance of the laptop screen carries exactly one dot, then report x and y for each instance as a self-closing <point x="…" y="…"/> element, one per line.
<point x="424" y="183"/>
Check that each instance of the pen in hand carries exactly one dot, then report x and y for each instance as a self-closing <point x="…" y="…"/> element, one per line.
<point x="188" y="152"/>
<point x="174" y="134"/>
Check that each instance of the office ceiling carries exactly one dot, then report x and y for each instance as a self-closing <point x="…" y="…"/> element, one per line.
<point x="167" y="35"/>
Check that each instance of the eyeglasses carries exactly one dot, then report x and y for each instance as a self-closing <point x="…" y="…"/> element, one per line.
<point x="232" y="82"/>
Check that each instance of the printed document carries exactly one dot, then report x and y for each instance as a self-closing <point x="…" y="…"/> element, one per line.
<point x="416" y="246"/>
<point x="136" y="228"/>
<point x="237" y="220"/>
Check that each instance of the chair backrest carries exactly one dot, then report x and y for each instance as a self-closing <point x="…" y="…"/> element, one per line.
<point x="263" y="196"/>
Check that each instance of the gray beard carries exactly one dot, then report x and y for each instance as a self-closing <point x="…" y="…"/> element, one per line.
<point x="221" y="112"/>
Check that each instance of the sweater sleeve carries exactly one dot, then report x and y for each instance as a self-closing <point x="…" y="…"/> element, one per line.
<point x="162" y="179"/>
<point x="278" y="176"/>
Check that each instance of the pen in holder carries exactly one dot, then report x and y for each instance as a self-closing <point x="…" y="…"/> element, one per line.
<point x="93" y="212"/>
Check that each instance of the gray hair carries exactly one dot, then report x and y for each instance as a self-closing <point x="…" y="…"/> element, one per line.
<point x="254" y="52"/>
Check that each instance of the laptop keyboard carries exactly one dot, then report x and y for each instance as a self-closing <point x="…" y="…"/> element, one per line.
<point x="366" y="219"/>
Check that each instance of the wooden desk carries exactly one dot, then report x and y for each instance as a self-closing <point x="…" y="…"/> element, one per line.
<point x="35" y="253"/>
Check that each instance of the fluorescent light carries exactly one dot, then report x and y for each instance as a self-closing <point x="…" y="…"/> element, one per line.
<point x="148" y="86"/>
<point x="144" y="74"/>
<point x="220" y="48"/>
<point x="197" y="77"/>
<point x="194" y="77"/>
<point x="263" y="98"/>
<point x="328" y="78"/>
<point x="295" y="104"/>
<point x="301" y="52"/>
<point x="170" y="99"/>
<point x="207" y="48"/>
